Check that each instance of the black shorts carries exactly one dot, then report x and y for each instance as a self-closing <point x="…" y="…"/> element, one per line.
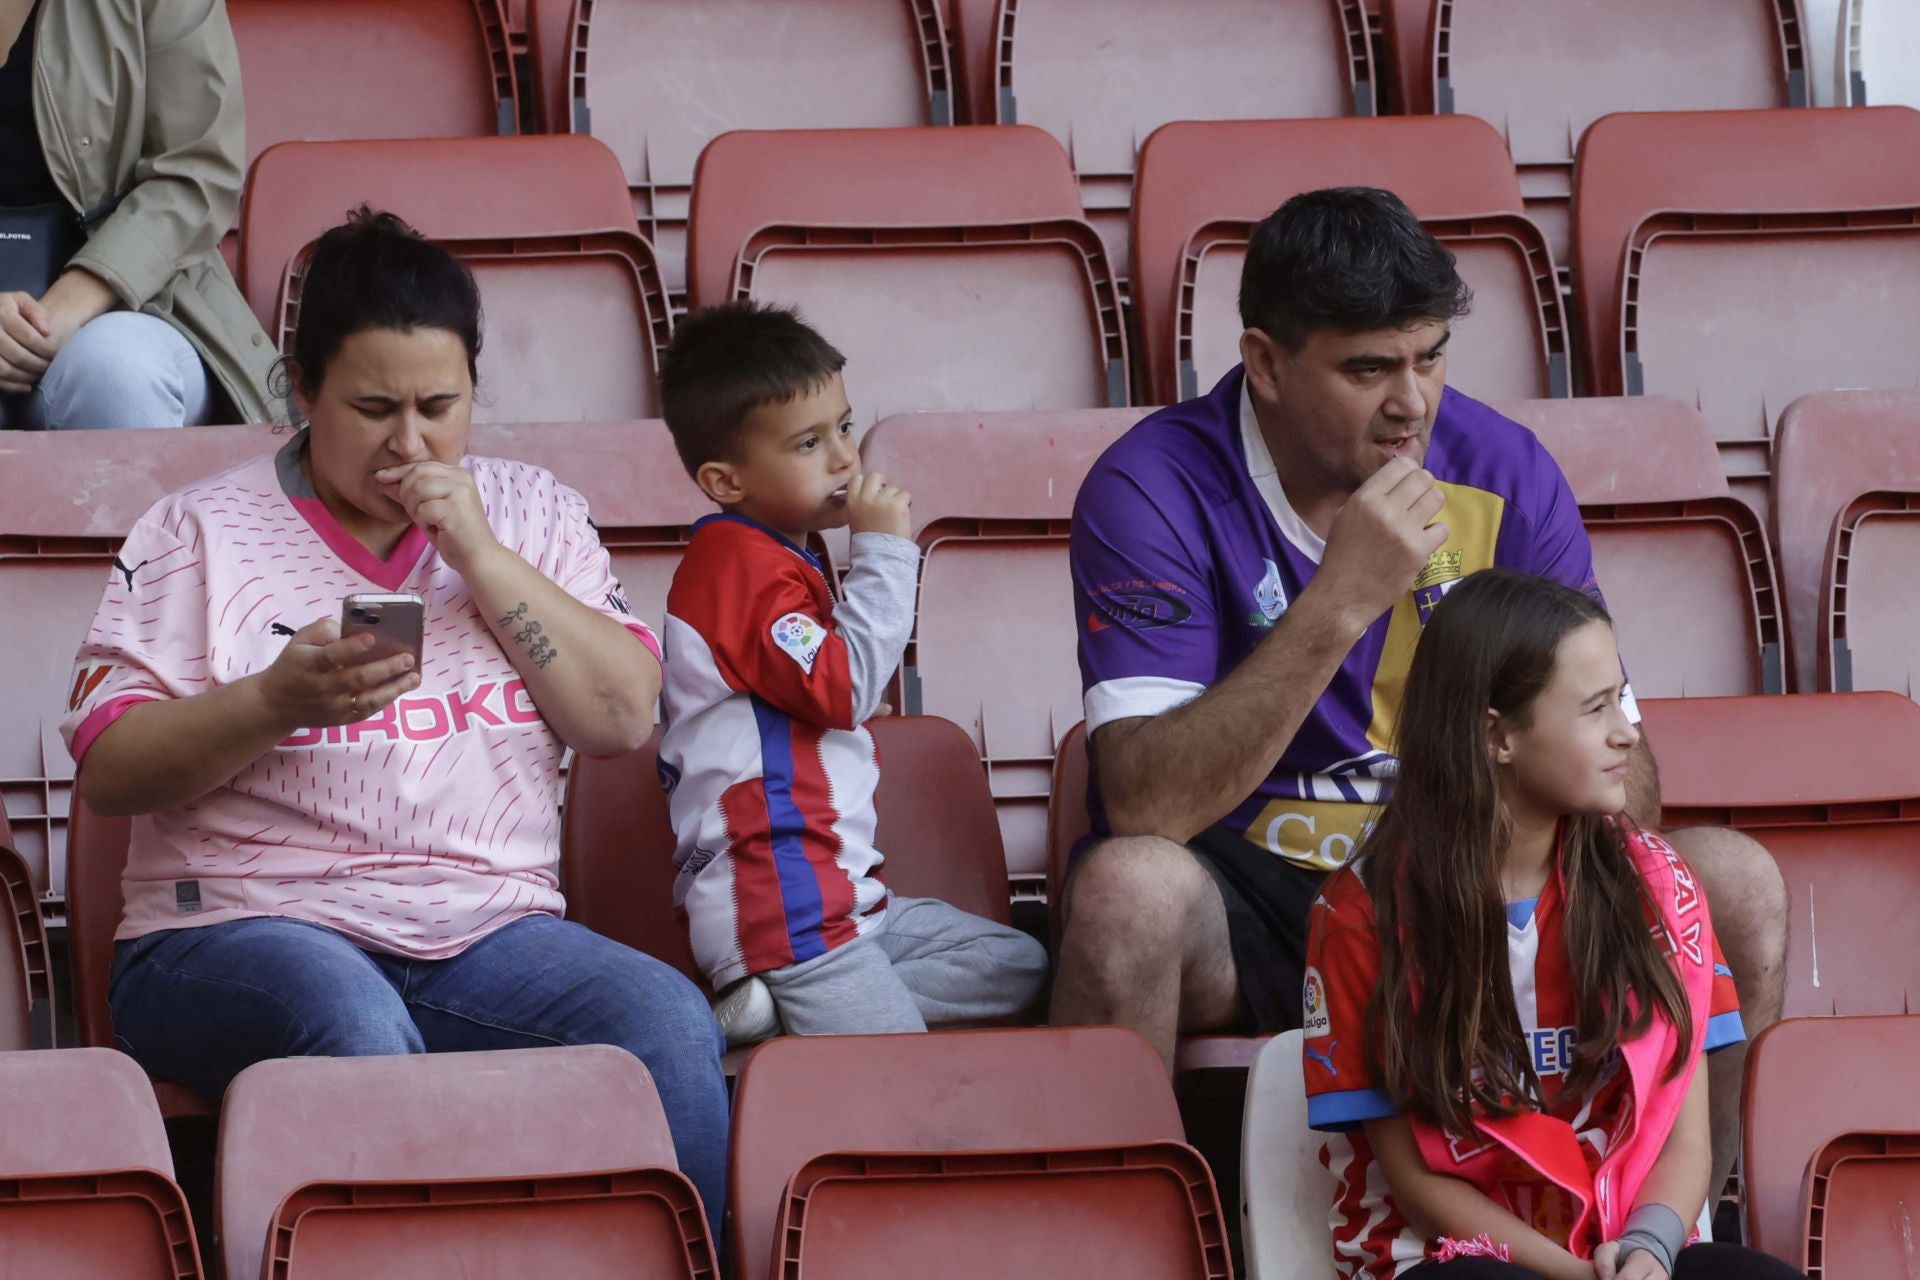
<point x="1267" y="898"/>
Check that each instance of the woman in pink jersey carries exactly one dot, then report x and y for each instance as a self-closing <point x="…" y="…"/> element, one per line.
<point x="1509" y="994"/>
<point x="339" y="855"/>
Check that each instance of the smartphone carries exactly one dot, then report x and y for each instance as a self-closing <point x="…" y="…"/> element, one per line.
<point x="397" y="623"/>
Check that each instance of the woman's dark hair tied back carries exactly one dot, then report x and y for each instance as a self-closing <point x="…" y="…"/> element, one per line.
<point x="373" y="271"/>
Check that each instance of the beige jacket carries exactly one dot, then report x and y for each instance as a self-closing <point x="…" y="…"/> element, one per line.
<point x="138" y="101"/>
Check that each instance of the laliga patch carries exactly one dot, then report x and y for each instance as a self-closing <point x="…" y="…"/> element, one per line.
<point x="800" y="638"/>
<point x="1315" y="1020"/>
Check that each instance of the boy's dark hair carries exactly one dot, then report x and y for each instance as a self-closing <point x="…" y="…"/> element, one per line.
<point x="373" y="271"/>
<point x="725" y="362"/>
<point x="1347" y="258"/>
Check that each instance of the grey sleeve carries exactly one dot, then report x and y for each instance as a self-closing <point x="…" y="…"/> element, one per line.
<point x="875" y="613"/>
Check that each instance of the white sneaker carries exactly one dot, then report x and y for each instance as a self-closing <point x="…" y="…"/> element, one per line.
<point x="746" y="1013"/>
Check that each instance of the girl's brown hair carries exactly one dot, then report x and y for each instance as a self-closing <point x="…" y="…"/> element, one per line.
<point x="1442" y="1026"/>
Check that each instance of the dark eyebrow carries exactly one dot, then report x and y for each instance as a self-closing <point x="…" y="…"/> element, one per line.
<point x="1438" y="347"/>
<point x="1371" y="360"/>
<point x="1604" y="693"/>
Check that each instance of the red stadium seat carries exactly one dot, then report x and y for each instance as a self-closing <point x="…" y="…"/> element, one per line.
<point x="317" y="70"/>
<point x="1737" y="260"/>
<point x="935" y="824"/>
<point x="1098" y="1213"/>
<point x="86" y="1180"/>
<point x="950" y="265"/>
<point x="23" y="953"/>
<point x="1811" y="1081"/>
<point x="659" y="79"/>
<point x="575" y="313"/>
<point x="1102" y="76"/>
<point x="1543" y="70"/>
<point x="1859" y="1187"/>
<point x="994" y="538"/>
<point x="455" y="1164"/>
<point x="1685" y="565"/>
<point x="1845" y="465"/>
<point x="803" y="1097"/>
<point x="1202" y="187"/>
<point x="1830" y="784"/>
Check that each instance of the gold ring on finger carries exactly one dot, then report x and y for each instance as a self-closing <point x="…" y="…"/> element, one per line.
<point x="353" y="703"/>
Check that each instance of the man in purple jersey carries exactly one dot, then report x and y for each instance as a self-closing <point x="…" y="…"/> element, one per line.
<point x="1252" y="570"/>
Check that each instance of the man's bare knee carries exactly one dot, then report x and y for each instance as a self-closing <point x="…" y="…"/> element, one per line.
<point x="1743" y="884"/>
<point x="1134" y="889"/>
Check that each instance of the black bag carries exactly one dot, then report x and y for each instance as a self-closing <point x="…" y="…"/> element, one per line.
<point x="36" y="243"/>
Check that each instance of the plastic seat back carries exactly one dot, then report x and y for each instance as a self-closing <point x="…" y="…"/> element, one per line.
<point x="1284" y="1188"/>
<point x="759" y="64"/>
<point x="1650" y="189"/>
<point x="1203" y="186"/>
<point x="1794" y="1105"/>
<point x="1685" y="566"/>
<point x="1832" y="449"/>
<point x="935" y="823"/>
<point x="86" y="1179"/>
<point x="575" y="314"/>
<point x="1830" y="784"/>
<point x="801" y="1097"/>
<point x="994" y="532"/>
<point x="548" y="1112"/>
<point x="1101" y="76"/>
<point x="324" y="69"/>
<point x="24" y="976"/>
<point x="1543" y="70"/>
<point x="1146" y="1210"/>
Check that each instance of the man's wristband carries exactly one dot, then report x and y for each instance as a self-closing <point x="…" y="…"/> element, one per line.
<point x="1656" y="1229"/>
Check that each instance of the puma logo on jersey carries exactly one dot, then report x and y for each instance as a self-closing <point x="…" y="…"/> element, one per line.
<point x="1325" y="1058"/>
<point x="120" y="564"/>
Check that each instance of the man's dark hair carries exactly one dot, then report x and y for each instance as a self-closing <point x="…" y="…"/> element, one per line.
<point x="725" y="362"/>
<point x="373" y="271"/>
<point x="1347" y="258"/>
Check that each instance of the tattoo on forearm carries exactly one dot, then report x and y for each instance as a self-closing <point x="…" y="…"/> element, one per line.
<point x="529" y="636"/>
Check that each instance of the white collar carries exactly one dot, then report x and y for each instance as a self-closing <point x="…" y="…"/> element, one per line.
<point x="1266" y="478"/>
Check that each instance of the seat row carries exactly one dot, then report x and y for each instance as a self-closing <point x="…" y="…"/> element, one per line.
<point x="1733" y="260"/>
<point x="981" y="1152"/>
<point x="1690" y="570"/>
<point x="658" y="79"/>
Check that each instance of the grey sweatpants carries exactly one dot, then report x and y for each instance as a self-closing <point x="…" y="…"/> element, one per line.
<point x="928" y="963"/>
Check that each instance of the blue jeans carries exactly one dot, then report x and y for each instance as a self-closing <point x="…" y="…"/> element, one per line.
<point x="198" y="1006"/>
<point x="122" y="369"/>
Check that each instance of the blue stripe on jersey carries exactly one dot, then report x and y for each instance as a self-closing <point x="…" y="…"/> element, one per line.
<point x="1518" y="913"/>
<point x="1343" y="1112"/>
<point x="1724" y="1029"/>
<point x="799" y="890"/>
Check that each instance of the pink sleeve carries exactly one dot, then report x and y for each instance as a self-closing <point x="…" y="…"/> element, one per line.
<point x="586" y="570"/>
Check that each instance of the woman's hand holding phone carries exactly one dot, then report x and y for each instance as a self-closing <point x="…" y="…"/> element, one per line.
<point x="322" y="679"/>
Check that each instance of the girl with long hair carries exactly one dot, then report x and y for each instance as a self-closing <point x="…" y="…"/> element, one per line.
<point x="1509" y="991"/>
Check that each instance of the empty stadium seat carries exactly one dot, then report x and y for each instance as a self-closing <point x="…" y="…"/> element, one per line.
<point x="86" y="1180"/>
<point x="1830" y="784"/>
<point x="1034" y="1089"/>
<point x="1879" y="47"/>
<point x="1101" y="75"/>
<point x="935" y="825"/>
<point x="952" y="266"/>
<point x="23" y="953"/>
<point x="1737" y="260"/>
<point x="1284" y="1190"/>
<point x="377" y="1166"/>
<point x="1859" y="1188"/>
<point x="1543" y="70"/>
<point x="1811" y="1081"/>
<point x="659" y="79"/>
<point x="1203" y="186"/>
<point x="1843" y="458"/>
<point x="56" y="553"/>
<point x="1685" y="565"/>
<point x="439" y="69"/>
<point x="993" y="645"/>
<point x="1068" y="823"/>
<point x="575" y="315"/>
